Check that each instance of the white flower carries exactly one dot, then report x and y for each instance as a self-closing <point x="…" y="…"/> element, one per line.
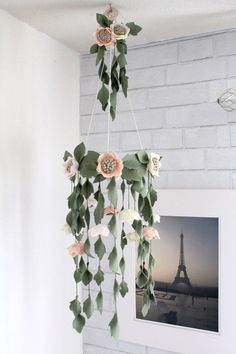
<point x="71" y="167"/>
<point x="129" y="215"/>
<point x="156" y="218"/>
<point x="132" y="236"/>
<point x="154" y="164"/>
<point x="119" y="30"/>
<point x="99" y="230"/>
<point x="91" y="202"/>
<point x="67" y="229"/>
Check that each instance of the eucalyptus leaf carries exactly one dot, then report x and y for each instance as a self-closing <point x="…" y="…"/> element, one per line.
<point x="82" y="265"/>
<point x="79" y="201"/>
<point x="99" y="276"/>
<point x="103" y="21"/>
<point x="113" y="225"/>
<point x="88" y="307"/>
<point x="69" y="219"/>
<point x="75" y="307"/>
<point x="79" y="152"/>
<point x="124" y="84"/>
<point x="152" y="196"/>
<point x="134" y="29"/>
<point x="103" y="95"/>
<point x="121" y="60"/>
<point x="87" y="277"/>
<point x="87" y="248"/>
<point x="123" y="240"/>
<point x="78" y="323"/>
<point x="146" y="304"/>
<point x="100" y="54"/>
<point x="66" y="155"/>
<point x="99" y="210"/>
<point x="99" y="301"/>
<point x="114" y="327"/>
<point x="121" y="46"/>
<point x="151" y="261"/>
<point x="122" y="265"/>
<point x="99" y="248"/>
<point x="94" y="49"/>
<point x="147" y="209"/>
<point x="77" y="275"/>
<point x="115" y="289"/>
<point x="142" y="277"/>
<point x="112" y="192"/>
<point x="87" y="189"/>
<point x="113" y="260"/>
<point x="87" y="217"/>
<point x="123" y="288"/>
<point x="113" y="112"/>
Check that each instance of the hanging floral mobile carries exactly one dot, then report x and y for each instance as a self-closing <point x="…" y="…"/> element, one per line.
<point x="111" y="197"/>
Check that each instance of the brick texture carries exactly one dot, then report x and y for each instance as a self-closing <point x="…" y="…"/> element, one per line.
<point x="173" y="89"/>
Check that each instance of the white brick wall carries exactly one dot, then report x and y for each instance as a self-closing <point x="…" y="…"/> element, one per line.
<point x="173" y="89"/>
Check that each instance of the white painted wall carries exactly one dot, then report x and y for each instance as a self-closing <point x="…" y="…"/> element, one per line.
<point x="173" y="88"/>
<point x="39" y="118"/>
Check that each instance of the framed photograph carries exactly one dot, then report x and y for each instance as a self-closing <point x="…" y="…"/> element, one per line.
<point x="194" y="290"/>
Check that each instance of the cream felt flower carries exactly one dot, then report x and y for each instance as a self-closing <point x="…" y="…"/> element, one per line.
<point x="150" y="233"/>
<point x="129" y="215"/>
<point x="91" y="202"/>
<point x="67" y="229"/>
<point x="104" y="36"/>
<point x="120" y="31"/>
<point x="76" y="249"/>
<point x="132" y="236"/>
<point x="154" y="164"/>
<point x="99" y="230"/>
<point x="109" y="165"/>
<point x="71" y="167"/>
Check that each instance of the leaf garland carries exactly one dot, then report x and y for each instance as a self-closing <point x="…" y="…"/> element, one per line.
<point x="117" y="77"/>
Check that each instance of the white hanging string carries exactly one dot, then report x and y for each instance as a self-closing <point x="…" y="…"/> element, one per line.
<point x="135" y="122"/>
<point x="109" y="103"/>
<point x="94" y="105"/>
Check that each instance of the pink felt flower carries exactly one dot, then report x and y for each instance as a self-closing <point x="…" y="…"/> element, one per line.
<point x="104" y="36"/>
<point x="150" y="233"/>
<point x="109" y="165"/>
<point x="110" y="210"/>
<point x="76" y="249"/>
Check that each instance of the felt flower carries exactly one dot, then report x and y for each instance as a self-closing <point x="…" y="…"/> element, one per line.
<point x="120" y="31"/>
<point x="67" y="229"/>
<point x="129" y="215"/>
<point x="110" y="210"/>
<point x="132" y="236"/>
<point x="76" y="249"/>
<point x="104" y="36"/>
<point x="91" y="202"/>
<point x="150" y="233"/>
<point x="109" y="165"/>
<point x="154" y="164"/>
<point x="71" y="167"/>
<point x="99" y="230"/>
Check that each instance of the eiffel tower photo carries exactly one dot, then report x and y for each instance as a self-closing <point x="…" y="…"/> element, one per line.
<point x="181" y="275"/>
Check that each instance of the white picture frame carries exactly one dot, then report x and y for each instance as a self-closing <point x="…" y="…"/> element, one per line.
<point x="192" y="203"/>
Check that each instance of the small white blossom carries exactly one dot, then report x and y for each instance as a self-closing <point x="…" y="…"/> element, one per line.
<point x="120" y="31"/>
<point x="71" y="167"/>
<point x="132" y="236"/>
<point x="154" y="164"/>
<point x="129" y="215"/>
<point x="99" y="230"/>
<point x="67" y="229"/>
<point x="91" y="202"/>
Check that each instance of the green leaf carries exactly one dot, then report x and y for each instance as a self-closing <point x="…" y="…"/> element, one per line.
<point x="121" y="60"/>
<point x="87" y="277"/>
<point x="77" y="275"/>
<point x="112" y="192"/>
<point x="143" y="249"/>
<point x="99" y="178"/>
<point x="131" y="162"/>
<point x="87" y="248"/>
<point x="75" y="307"/>
<point x="82" y="265"/>
<point x="122" y="265"/>
<point x="88" y="169"/>
<point x="134" y="29"/>
<point x="124" y="84"/>
<point x="87" y="217"/>
<point x="133" y="175"/>
<point x="122" y="187"/>
<point x="113" y="98"/>
<point x="79" y="152"/>
<point x="151" y="261"/>
<point x="99" y="210"/>
<point x="94" y="48"/>
<point x="123" y="240"/>
<point x="147" y="210"/>
<point x="88" y="307"/>
<point x="103" y="21"/>
<point x="114" y="327"/>
<point x="66" y="155"/>
<point x="99" y="276"/>
<point x="112" y="226"/>
<point x="123" y="288"/>
<point x="99" y="248"/>
<point x="146" y="304"/>
<point x="113" y="260"/>
<point x="79" y="323"/>
<point x="152" y="196"/>
<point x="115" y="289"/>
<point x="142" y="277"/>
<point x="121" y="46"/>
<point x="99" y="301"/>
<point x="103" y="95"/>
<point x="143" y="156"/>
<point x="87" y="189"/>
<point x="138" y="226"/>
<point x="113" y="112"/>
<point x="100" y="54"/>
